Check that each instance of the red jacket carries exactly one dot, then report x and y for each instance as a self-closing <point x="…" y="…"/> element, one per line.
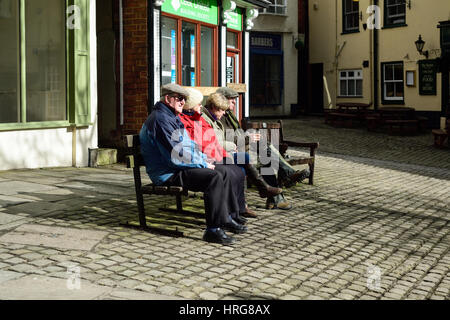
<point x="203" y="134"/>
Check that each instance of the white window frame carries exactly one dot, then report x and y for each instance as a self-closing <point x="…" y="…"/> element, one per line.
<point x="272" y="9"/>
<point x="348" y="13"/>
<point x="391" y="5"/>
<point x="385" y="82"/>
<point x="358" y="75"/>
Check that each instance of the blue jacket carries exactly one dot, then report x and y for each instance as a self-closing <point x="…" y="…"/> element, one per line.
<point x="166" y="146"/>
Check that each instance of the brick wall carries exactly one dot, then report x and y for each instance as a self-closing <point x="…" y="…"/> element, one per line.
<point x="135" y="65"/>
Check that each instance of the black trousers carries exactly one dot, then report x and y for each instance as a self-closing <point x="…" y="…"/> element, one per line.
<point x="237" y="186"/>
<point x="216" y="185"/>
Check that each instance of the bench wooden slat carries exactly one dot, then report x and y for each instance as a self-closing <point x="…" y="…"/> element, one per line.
<point x="283" y="144"/>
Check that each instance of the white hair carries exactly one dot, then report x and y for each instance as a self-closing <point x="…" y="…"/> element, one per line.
<point x="195" y="97"/>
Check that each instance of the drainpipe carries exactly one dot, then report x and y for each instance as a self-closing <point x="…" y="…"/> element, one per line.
<point x="121" y="60"/>
<point x="375" y="64"/>
<point x="150" y="55"/>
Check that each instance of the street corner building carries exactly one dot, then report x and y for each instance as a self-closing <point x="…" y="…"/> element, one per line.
<point x="382" y="53"/>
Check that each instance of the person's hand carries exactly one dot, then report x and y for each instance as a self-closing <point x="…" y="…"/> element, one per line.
<point x="210" y="166"/>
<point x="255" y="137"/>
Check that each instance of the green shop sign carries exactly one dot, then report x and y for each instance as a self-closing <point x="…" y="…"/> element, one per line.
<point x="235" y="20"/>
<point x="200" y="10"/>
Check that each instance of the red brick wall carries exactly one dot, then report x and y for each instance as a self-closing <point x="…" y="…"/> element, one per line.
<point x="135" y="65"/>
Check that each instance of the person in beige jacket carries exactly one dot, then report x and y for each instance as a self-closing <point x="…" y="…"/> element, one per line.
<point x="214" y="109"/>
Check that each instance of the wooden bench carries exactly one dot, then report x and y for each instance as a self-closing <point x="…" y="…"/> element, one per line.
<point x="285" y="144"/>
<point x="402" y="126"/>
<point x="439" y="137"/>
<point x="135" y="161"/>
<point x="373" y="122"/>
<point x="341" y="119"/>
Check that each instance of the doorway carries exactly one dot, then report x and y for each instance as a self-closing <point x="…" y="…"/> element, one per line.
<point x="232" y="76"/>
<point x="316" y="100"/>
<point x="108" y="131"/>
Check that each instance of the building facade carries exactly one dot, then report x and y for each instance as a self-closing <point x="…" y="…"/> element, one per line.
<point x="366" y="51"/>
<point x="274" y="60"/>
<point x="190" y="42"/>
<point x="48" y="91"/>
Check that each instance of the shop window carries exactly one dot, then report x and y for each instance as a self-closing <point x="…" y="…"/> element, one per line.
<point x="276" y="7"/>
<point x="350" y="16"/>
<point x="34" y="75"/>
<point x="206" y="59"/>
<point x="188" y="54"/>
<point x="266" y="75"/>
<point x="45" y="60"/>
<point x="232" y="40"/>
<point x="350" y="83"/>
<point x="394" y="12"/>
<point x="392" y="76"/>
<point x="9" y="64"/>
<point x="169" y="50"/>
<point x="188" y="45"/>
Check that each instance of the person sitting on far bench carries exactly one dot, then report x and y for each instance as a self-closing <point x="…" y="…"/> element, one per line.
<point x="172" y="158"/>
<point x="288" y="176"/>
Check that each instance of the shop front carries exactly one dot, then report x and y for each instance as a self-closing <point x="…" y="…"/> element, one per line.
<point x="47" y="83"/>
<point x="266" y="70"/>
<point x="200" y="43"/>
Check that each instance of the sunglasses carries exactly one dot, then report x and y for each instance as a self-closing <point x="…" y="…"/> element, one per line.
<point x="179" y="98"/>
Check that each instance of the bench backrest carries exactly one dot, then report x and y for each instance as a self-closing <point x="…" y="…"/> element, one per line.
<point x="258" y="125"/>
<point x="207" y="91"/>
<point x="134" y="159"/>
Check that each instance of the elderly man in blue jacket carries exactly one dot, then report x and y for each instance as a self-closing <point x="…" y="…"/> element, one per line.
<point x="172" y="158"/>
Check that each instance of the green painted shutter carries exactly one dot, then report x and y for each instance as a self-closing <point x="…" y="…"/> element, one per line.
<point x="79" y="71"/>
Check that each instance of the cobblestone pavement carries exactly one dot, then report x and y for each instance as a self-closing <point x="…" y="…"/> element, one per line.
<point x="370" y="228"/>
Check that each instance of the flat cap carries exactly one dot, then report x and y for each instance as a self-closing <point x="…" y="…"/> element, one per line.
<point x="174" y="88"/>
<point x="227" y="92"/>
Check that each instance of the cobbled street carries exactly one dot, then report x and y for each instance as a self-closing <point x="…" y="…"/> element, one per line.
<point x="375" y="225"/>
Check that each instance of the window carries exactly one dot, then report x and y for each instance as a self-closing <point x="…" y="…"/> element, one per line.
<point x="266" y="85"/>
<point x="169" y="50"/>
<point x="350" y="83"/>
<point x="206" y="59"/>
<point x="34" y="74"/>
<point x="187" y="52"/>
<point x="394" y="12"/>
<point x="276" y="7"/>
<point x="350" y="16"/>
<point x="9" y="64"/>
<point x="393" y="82"/>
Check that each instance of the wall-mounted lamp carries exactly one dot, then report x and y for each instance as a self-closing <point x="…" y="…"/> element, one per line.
<point x="419" y="45"/>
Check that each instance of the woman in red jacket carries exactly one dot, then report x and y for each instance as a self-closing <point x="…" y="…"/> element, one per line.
<point x="203" y="134"/>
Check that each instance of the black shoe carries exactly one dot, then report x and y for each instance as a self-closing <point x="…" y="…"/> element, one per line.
<point x="235" y="227"/>
<point x="218" y="236"/>
<point x="240" y="219"/>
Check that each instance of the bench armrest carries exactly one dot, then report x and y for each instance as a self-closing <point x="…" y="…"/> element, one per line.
<point x="311" y="145"/>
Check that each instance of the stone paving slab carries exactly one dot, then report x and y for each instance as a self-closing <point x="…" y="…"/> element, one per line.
<point x="14" y="187"/>
<point x="35" y="287"/>
<point x="8" y="218"/>
<point x="37" y="208"/>
<point x="54" y="237"/>
<point x="9" y="275"/>
<point x="12" y="200"/>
